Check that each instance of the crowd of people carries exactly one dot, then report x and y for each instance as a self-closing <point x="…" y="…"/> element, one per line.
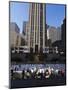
<point x="36" y="73"/>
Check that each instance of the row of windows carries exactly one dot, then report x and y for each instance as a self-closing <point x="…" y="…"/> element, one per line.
<point x="41" y="5"/>
<point x="41" y="25"/>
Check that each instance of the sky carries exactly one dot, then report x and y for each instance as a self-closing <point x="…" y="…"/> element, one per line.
<point x="55" y="14"/>
<point x="19" y="12"/>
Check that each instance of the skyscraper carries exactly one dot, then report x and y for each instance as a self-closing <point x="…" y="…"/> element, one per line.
<point x="63" y="35"/>
<point x="54" y="34"/>
<point x="26" y="31"/>
<point x="14" y="35"/>
<point x="37" y="30"/>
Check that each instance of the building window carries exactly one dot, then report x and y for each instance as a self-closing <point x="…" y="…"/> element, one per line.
<point x="17" y="40"/>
